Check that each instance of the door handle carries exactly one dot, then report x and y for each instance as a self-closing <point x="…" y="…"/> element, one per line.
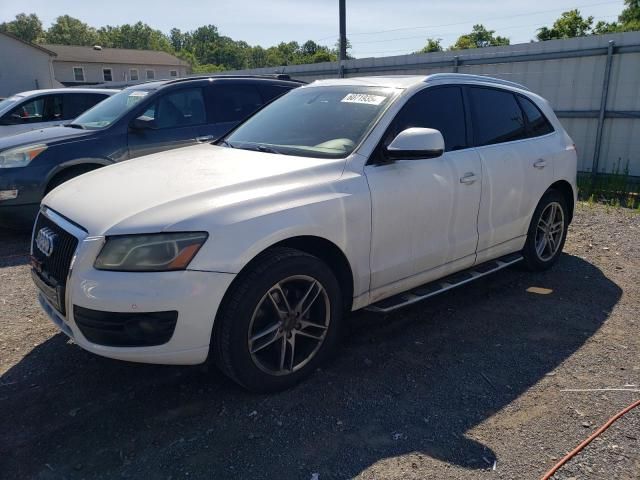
<point x="540" y="164"/>
<point x="205" y="138"/>
<point x="468" y="178"/>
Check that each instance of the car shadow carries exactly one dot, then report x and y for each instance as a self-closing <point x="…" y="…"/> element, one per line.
<point x="416" y="381"/>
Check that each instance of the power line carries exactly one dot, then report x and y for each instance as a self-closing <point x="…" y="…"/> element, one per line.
<point x="417" y="27"/>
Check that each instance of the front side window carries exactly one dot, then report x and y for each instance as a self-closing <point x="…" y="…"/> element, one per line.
<point x="178" y="109"/>
<point x="107" y="75"/>
<point x="78" y="74"/>
<point x="232" y="103"/>
<point x="320" y="122"/>
<point x="133" y="73"/>
<point x="111" y="109"/>
<point x="46" y="108"/>
<point x="497" y="117"/>
<point x="441" y="108"/>
<point x="151" y="74"/>
<point x="537" y="123"/>
<point x="76" y="103"/>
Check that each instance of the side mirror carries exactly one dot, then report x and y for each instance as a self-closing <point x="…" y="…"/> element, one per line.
<point x="143" y="123"/>
<point x="416" y="143"/>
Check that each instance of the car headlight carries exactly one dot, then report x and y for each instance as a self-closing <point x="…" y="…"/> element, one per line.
<point x="158" y="252"/>
<point x="21" y="156"/>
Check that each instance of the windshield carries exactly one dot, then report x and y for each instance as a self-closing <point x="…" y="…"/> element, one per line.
<point x="7" y="103"/>
<point x="110" y="110"/>
<point x="321" y="122"/>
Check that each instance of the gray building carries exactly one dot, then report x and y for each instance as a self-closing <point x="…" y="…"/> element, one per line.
<point x="76" y="65"/>
<point x="24" y="66"/>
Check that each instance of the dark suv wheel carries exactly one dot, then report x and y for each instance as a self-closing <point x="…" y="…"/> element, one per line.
<point x="279" y="321"/>
<point x="547" y="232"/>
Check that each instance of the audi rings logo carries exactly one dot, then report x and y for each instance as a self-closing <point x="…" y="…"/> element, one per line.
<point x="45" y="241"/>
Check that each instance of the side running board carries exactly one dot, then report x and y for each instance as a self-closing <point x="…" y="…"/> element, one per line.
<point x="443" y="284"/>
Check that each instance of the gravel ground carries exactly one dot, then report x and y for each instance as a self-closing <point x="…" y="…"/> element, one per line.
<point x="467" y="385"/>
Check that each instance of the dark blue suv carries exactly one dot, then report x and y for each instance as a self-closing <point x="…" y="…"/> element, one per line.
<point x="140" y="120"/>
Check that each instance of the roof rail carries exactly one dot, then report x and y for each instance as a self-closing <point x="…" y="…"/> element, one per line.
<point x="477" y="78"/>
<point x="273" y="76"/>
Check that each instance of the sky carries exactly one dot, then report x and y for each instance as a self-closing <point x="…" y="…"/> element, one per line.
<point x="375" y="28"/>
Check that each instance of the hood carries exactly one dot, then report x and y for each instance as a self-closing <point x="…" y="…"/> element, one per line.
<point x="8" y="130"/>
<point x="163" y="191"/>
<point x="43" y="135"/>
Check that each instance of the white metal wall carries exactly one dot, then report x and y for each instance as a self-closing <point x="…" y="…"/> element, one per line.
<point x="572" y="83"/>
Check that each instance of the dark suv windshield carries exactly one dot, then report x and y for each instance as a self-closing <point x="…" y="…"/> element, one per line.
<point x="323" y="122"/>
<point x="109" y="110"/>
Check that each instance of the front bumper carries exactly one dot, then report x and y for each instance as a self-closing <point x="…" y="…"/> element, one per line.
<point x="195" y="295"/>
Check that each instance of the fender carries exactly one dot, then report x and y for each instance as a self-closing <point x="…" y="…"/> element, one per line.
<point x="98" y="162"/>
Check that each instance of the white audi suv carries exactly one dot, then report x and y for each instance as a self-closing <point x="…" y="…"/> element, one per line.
<point x="373" y="192"/>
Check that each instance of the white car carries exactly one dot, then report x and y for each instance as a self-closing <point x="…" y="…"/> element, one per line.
<point x="37" y="109"/>
<point x="340" y="195"/>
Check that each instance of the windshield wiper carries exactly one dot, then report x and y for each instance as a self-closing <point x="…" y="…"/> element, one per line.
<point x="265" y="149"/>
<point x="226" y="144"/>
<point x="74" y="125"/>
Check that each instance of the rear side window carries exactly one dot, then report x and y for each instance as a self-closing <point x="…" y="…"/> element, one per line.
<point x="537" y="123"/>
<point x="232" y="103"/>
<point x="440" y="108"/>
<point x="76" y="103"/>
<point x="497" y="117"/>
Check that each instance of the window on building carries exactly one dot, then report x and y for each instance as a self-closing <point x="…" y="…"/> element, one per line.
<point x="497" y="117"/>
<point x="78" y="74"/>
<point x="440" y="108"/>
<point x="151" y="74"/>
<point x="107" y="75"/>
<point x="173" y="73"/>
<point x="133" y="74"/>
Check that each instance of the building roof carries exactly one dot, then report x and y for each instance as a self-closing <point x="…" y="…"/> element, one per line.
<point x="37" y="47"/>
<point x="75" y="53"/>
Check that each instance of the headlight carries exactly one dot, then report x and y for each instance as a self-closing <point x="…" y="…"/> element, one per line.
<point x="20" y="157"/>
<point x="158" y="252"/>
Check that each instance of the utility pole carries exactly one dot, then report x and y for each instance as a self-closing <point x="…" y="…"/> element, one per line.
<point x="343" y="36"/>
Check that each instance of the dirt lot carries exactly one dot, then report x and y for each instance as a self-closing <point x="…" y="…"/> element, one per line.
<point x="446" y="389"/>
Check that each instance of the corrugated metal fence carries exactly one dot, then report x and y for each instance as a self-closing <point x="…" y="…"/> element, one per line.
<point x="592" y="82"/>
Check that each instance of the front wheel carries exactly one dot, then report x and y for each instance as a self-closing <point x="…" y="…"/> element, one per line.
<point x="279" y="321"/>
<point x="547" y="232"/>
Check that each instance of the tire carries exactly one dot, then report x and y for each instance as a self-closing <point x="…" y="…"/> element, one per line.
<point x="255" y="305"/>
<point x="551" y="240"/>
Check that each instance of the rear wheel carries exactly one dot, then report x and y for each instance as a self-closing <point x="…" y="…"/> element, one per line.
<point x="547" y="232"/>
<point x="279" y="322"/>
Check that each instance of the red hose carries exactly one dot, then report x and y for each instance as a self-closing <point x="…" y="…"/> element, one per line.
<point x="595" y="434"/>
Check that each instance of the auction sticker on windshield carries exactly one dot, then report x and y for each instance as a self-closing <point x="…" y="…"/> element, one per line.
<point x="135" y="96"/>
<point x="364" y="98"/>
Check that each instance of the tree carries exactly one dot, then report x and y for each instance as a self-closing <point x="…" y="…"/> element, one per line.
<point x="67" y="30"/>
<point x="433" y="45"/>
<point x="479" y="37"/>
<point x="139" y="36"/>
<point x="25" y="27"/>
<point x="570" y="24"/>
<point x="630" y="16"/>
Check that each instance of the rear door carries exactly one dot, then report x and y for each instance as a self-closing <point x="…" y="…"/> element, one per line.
<point x="516" y="170"/>
<point x="179" y="115"/>
<point x="227" y="105"/>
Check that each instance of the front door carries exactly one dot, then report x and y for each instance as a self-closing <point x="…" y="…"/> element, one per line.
<point x="178" y="117"/>
<point x="424" y="212"/>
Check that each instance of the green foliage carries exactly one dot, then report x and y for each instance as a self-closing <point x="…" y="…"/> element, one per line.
<point x="25" y="27"/>
<point x="139" y="36"/>
<point x="432" y="45"/>
<point x="570" y="24"/>
<point x="479" y="37"/>
<point x="67" y="30"/>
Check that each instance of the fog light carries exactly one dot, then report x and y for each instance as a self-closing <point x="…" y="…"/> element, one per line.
<point x="8" y="194"/>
